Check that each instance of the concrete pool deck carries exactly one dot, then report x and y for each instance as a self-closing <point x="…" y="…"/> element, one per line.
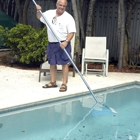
<point x="20" y="87"/>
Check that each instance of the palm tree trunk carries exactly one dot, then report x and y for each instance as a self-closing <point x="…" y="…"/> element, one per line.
<point x="121" y="31"/>
<point x="128" y="44"/>
<point x="25" y="10"/>
<point x="1" y="6"/>
<point x="19" y="10"/>
<point x="77" y="42"/>
<point x="80" y="20"/>
<point x="90" y="17"/>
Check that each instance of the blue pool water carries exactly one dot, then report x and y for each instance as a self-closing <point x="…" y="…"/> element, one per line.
<point x="77" y="118"/>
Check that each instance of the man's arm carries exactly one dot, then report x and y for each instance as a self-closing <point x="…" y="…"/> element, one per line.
<point x="69" y="37"/>
<point x="38" y="7"/>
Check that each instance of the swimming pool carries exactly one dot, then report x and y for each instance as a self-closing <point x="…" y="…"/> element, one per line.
<point x="77" y="118"/>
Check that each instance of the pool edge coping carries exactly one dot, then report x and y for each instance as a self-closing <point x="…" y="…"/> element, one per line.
<point x="51" y="100"/>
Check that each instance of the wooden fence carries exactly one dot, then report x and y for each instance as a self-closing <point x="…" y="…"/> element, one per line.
<point x="106" y="20"/>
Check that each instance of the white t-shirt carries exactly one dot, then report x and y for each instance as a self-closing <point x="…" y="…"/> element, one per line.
<point x="62" y="26"/>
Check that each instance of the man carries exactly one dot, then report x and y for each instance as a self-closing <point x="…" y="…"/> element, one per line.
<point x="63" y="25"/>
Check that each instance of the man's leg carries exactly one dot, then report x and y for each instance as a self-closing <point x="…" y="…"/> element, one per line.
<point x="65" y="70"/>
<point x="52" y="83"/>
<point x="53" y="70"/>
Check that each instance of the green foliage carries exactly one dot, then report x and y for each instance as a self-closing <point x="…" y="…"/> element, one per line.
<point x="3" y="33"/>
<point x="27" y="43"/>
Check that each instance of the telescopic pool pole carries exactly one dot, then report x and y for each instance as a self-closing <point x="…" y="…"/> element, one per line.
<point x="68" y="55"/>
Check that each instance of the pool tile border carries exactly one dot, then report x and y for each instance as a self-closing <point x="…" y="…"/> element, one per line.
<point x="48" y="101"/>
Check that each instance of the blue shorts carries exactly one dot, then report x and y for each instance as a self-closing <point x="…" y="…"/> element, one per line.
<point x="56" y="55"/>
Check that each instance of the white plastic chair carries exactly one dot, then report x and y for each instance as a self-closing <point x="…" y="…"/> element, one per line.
<point x="95" y="51"/>
<point x="45" y="67"/>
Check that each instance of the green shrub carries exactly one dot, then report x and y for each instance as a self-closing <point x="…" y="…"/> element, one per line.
<point x="27" y="43"/>
<point x="3" y="34"/>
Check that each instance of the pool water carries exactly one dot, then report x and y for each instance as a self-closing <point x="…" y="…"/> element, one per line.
<point x="78" y="118"/>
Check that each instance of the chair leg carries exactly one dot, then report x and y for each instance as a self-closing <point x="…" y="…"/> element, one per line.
<point x="75" y="61"/>
<point x="39" y="75"/>
<point x="44" y="73"/>
<point x="73" y="72"/>
<point x="106" y="64"/>
<point x="82" y="67"/>
<point x="104" y="70"/>
<point x="86" y="68"/>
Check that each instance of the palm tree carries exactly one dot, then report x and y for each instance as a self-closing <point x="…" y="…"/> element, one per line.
<point x="22" y="12"/>
<point x="90" y="17"/>
<point x="79" y="9"/>
<point x="75" y="12"/>
<point x="19" y="10"/>
<point x="1" y="6"/>
<point x="25" y="10"/>
<point x="121" y="32"/>
<point x="128" y="43"/>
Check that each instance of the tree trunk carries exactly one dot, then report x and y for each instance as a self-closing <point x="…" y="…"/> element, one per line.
<point x="19" y="10"/>
<point x="80" y="21"/>
<point x="25" y="10"/>
<point x="13" y="10"/>
<point x="128" y="43"/>
<point x="121" y="31"/>
<point x="9" y="7"/>
<point x="90" y="17"/>
<point x="1" y="6"/>
<point x="77" y="45"/>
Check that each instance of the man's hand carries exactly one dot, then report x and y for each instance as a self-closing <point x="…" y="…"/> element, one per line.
<point x="63" y="44"/>
<point x="38" y="7"/>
